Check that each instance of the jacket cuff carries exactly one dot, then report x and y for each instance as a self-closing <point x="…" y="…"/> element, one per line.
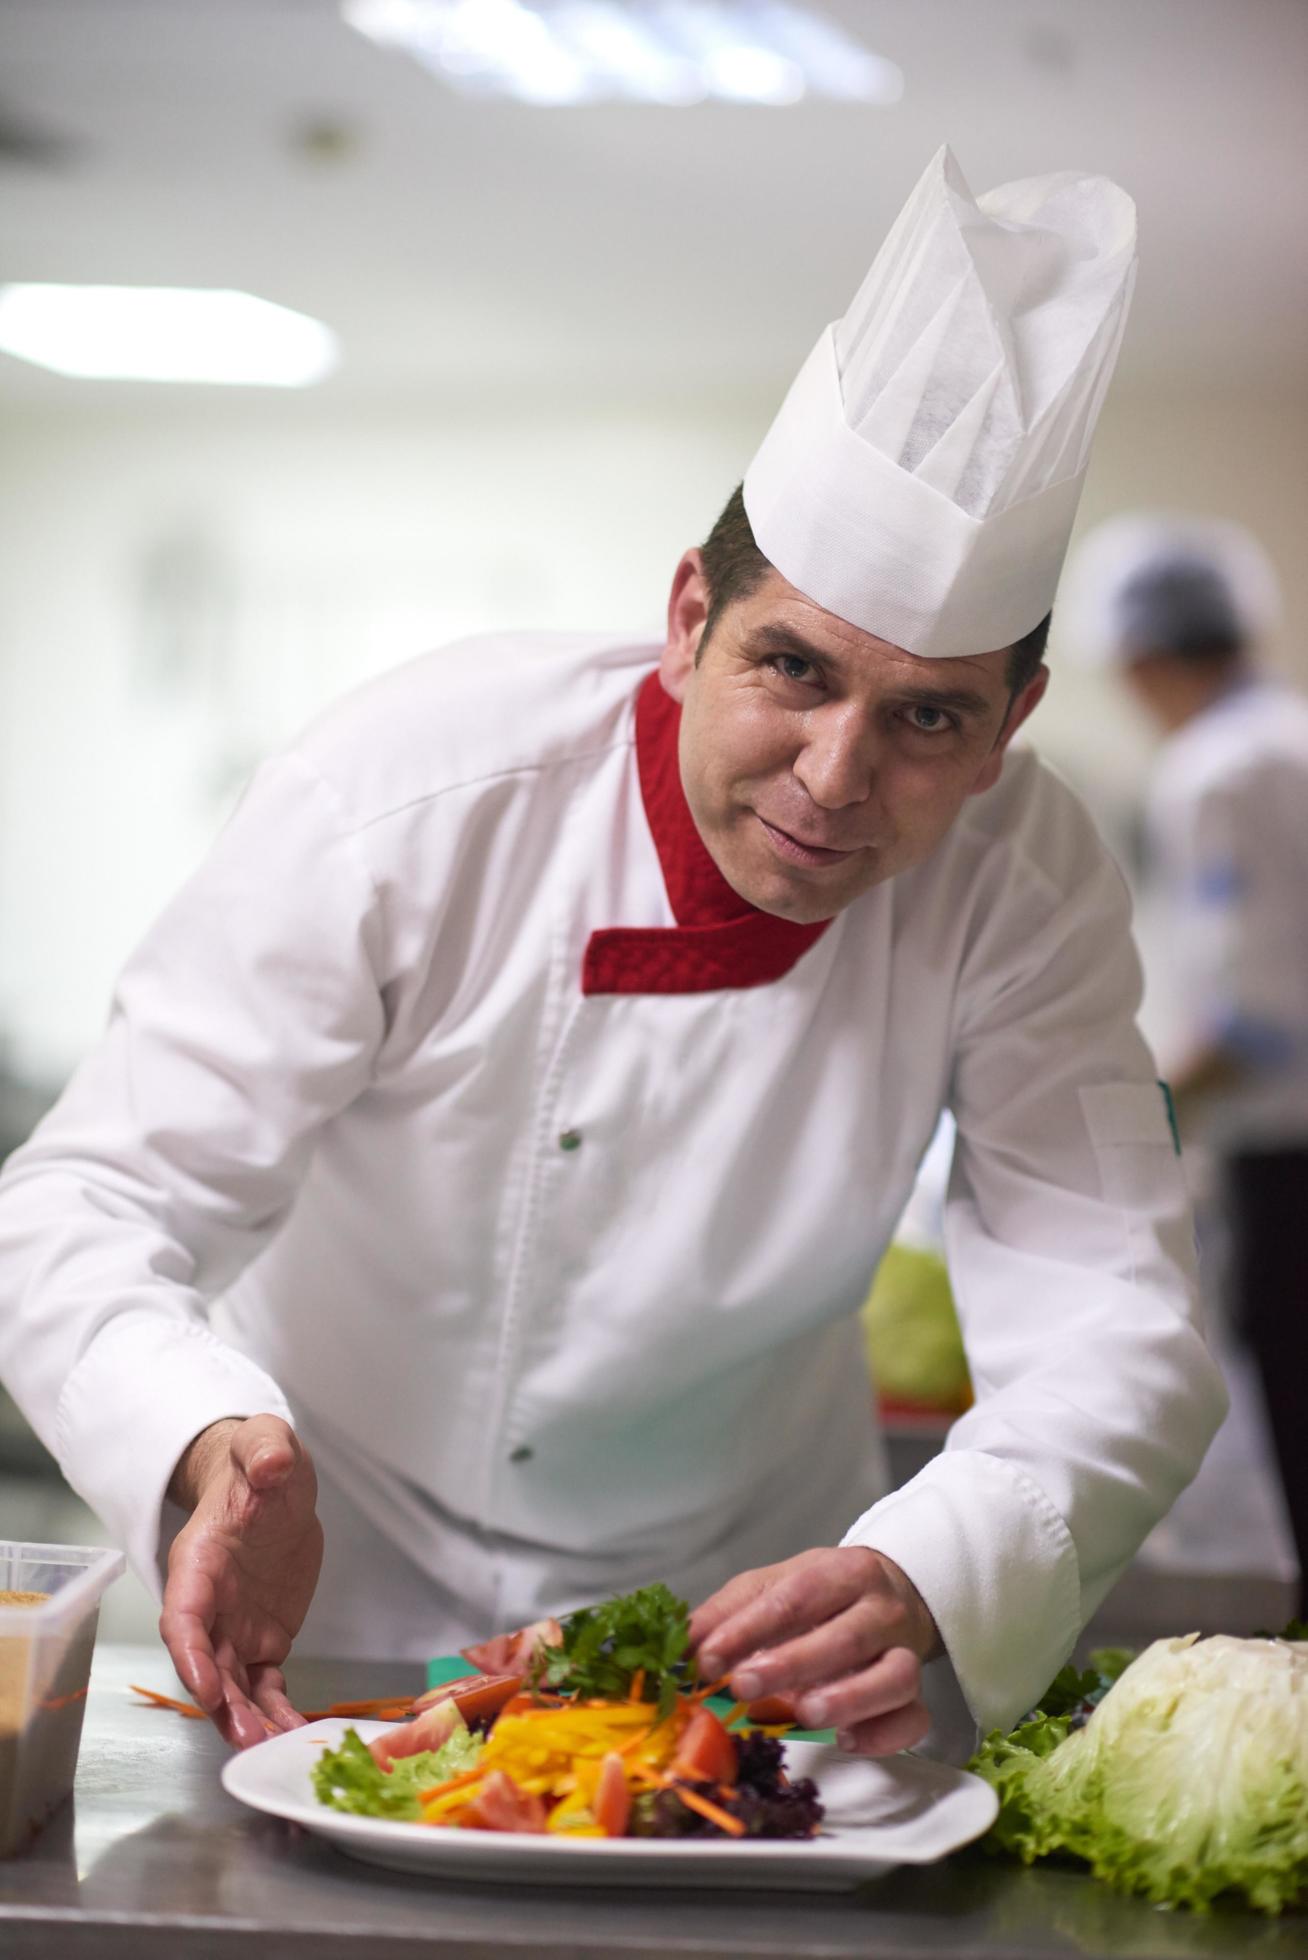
<point x="998" y="1569"/>
<point x="140" y="1394"/>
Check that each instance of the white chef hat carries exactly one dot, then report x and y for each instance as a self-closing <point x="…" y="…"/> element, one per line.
<point x="1160" y="581"/>
<point x="921" y="478"/>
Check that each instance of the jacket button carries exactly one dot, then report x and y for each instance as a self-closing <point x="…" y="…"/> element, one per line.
<point x="569" y="1139"/>
<point x="523" y="1454"/>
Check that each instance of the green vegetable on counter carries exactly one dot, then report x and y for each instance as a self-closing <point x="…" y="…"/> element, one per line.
<point x="1188" y="1781"/>
<point x="910" y="1327"/>
<point x="350" y="1779"/>
<point x="1073" y="1692"/>
<point x="604" y="1647"/>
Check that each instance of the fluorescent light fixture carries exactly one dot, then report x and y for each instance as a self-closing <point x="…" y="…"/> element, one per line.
<point x="164" y="333"/>
<point x="662" y="51"/>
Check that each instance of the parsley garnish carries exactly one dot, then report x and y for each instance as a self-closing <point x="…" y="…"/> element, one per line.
<point x="605" y="1647"/>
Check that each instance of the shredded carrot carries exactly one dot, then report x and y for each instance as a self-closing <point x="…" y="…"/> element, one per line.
<point x="451" y="1783"/>
<point x="384" y="1707"/>
<point x="387" y="1708"/>
<point x="637" y="1689"/>
<point x="734" y="1713"/>
<point x="169" y="1701"/>
<point x="399" y="1711"/>
<point x="634" y="1741"/>
<point x="722" y="1818"/>
<point x="710" y="1688"/>
<point x="642" y="1773"/>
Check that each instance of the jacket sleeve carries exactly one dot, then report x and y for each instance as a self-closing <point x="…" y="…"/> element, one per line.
<point x="249" y="1015"/>
<point x="1070" y="1249"/>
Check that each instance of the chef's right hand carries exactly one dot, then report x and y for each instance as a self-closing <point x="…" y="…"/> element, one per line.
<point x="241" y="1571"/>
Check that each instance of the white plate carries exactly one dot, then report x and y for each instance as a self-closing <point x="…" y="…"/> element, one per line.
<point x="899" y="1811"/>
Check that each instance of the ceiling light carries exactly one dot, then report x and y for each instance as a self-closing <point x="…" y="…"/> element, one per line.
<point x="163" y="333"/>
<point x="660" y="51"/>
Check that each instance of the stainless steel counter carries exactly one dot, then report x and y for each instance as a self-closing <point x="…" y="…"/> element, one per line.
<point x="153" y="1859"/>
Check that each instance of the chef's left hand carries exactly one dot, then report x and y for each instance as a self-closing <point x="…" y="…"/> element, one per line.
<point x="841" y="1628"/>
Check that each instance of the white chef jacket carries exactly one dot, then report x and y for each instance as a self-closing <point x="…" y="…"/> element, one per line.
<point x="1227" y="823"/>
<point x="562" y="1288"/>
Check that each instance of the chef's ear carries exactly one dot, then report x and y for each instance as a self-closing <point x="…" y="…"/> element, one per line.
<point x="687" y="615"/>
<point x="1018" y="709"/>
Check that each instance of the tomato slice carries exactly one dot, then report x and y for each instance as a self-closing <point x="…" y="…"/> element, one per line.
<point x="501" y="1806"/>
<point x="493" y="1656"/>
<point x="508" y="1653"/>
<point x="427" y="1731"/>
<point x="772" y="1710"/>
<point x="484" y="1695"/>
<point x="475" y="1697"/>
<point x="447" y="1690"/>
<point x="612" y="1796"/>
<point x="706" y="1752"/>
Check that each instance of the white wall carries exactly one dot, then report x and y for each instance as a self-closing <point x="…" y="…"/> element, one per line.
<point x="181" y="586"/>
<point x="179" y="592"/>
<point x="1219" y="453"/>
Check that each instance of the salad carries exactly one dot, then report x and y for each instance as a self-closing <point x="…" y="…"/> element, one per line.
<point x="593" y="1726"/>
<point x="1181" y="1774"/>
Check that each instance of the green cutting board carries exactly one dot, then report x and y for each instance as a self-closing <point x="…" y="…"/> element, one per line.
<point x="448" y="1667"/>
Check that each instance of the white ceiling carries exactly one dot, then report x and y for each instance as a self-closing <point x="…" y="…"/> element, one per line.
<point x="455" y="243"/>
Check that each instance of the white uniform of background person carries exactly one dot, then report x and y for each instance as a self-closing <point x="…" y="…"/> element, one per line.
<point x="562" y="1287"/>
<point x="1179" y="605"/>
<point x="1227" y="830"/>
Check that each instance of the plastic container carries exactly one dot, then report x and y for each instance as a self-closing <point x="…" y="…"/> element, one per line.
<point x="49" y="1606"/>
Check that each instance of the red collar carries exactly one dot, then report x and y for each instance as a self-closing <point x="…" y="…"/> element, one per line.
<point x="719" y="940"/>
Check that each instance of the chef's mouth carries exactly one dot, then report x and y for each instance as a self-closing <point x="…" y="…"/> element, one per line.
<point x="796" y="850"/>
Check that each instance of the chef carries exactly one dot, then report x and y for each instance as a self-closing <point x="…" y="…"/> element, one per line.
<point x="491" y="1145"/>
<point x="1178" y="606"/>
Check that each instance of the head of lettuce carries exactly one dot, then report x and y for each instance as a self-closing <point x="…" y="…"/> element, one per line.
<point x="1189" y="1780"/>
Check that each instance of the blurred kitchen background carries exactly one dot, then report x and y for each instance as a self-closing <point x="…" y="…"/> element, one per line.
<point x="565" y="279"/>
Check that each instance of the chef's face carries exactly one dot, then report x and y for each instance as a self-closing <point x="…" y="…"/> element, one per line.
<point x="818" y="760"/>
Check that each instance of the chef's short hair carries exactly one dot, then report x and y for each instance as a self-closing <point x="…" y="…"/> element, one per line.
<point x="734" y="567"/>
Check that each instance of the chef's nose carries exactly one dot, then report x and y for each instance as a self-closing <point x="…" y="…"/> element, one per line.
<point x="838" y="760"/>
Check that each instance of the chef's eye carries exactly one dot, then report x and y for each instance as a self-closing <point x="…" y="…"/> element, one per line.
<point x="793" y="667"/>
<point x="928" y="720"/>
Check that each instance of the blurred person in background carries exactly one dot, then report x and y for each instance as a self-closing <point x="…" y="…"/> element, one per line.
<point x="478" y="1182"/>
<point x="1179" y="605"/>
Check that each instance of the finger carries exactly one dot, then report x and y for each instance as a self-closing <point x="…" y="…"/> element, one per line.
<point x="231" y="1663"/>
<point x="726" y="1601"/>
<point x="893" y="1681"/>
<point x="265" y="1451"/>
<point x="237" y="1719"/>
<point x="841" y="1646"/>
<point x="192" y="1657"/>
<point x="805" y="1595"/>
<point x="268" y="1693"/>
<point x="885" y="1735"/>
<point x="184" y="1624"/>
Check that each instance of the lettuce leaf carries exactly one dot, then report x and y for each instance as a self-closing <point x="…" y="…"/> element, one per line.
<point x="349" y="1779"/>
<point x="1188" y="1781"/>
